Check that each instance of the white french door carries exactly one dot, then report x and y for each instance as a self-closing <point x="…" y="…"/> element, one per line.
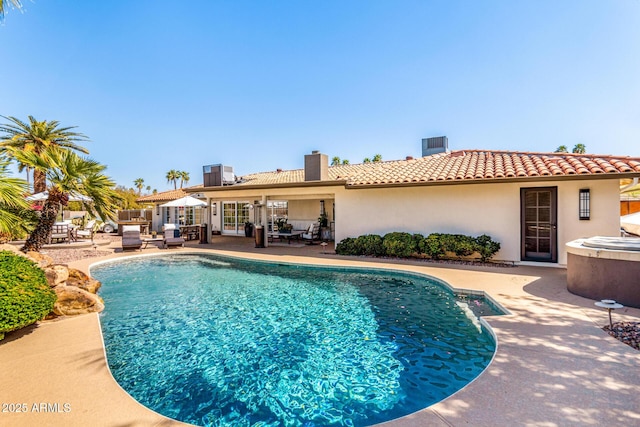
<point x="234" y="215"/>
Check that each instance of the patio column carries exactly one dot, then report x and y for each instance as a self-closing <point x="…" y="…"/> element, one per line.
<point x="263" y="219"/>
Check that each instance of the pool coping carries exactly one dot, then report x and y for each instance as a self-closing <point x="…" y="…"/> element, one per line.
<point x="553" y="364"/>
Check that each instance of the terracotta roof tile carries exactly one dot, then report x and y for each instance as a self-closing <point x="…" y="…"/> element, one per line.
<point x="463" y="165"/>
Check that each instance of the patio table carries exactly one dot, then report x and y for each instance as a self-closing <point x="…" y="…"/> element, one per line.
<point x="293" y="235"/>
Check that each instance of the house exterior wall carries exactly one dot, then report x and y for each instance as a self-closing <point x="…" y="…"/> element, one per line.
<point x="474" y="209"/>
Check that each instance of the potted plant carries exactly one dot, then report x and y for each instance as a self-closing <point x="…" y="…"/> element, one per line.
<point x="248" y="229"/>
<point x="282" y="225"/>
<point x="323" y="219"/>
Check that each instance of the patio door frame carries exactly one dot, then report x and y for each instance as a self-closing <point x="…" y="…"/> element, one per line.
<point x="535" y="230"/>
<point x="240" y="215"/>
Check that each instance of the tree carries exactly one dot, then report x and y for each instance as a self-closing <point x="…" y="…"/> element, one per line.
<point x="13" y="206"/>
<point x="561" y="149"/>
<point x="335" y="161"/>
<point x="148" y="189"/>
<point x="579" y="149"/>
<point x="184" y="177"/>
<point x="38" y="137"/>
<point x="139" y="183"/>
<point x="68" y="173"/>
<point x="366" y="160"/>
<point x="377" y="158"/>
<point x="5" y="4"/>
<point x="345" y="161"/>
<point x="173" y="176"/>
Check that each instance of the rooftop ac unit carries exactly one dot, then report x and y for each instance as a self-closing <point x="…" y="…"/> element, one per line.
<point x="217" y="175"/>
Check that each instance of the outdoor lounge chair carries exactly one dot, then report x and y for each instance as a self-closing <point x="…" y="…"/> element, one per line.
<point x="88" y="230"/>
<point x="312" y="234"/>
<point x="131" y="237"/>
<point x="60" y="231"/>
<point x="172" y="236"/>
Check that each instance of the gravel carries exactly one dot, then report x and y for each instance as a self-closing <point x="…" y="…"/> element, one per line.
<point x="626" y="332"/>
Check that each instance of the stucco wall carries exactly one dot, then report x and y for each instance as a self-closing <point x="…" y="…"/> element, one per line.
<point x="492" y="209"/>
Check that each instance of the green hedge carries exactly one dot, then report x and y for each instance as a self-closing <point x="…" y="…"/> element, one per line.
<point x="25" y="295"/>
<point x="405" y="245"/>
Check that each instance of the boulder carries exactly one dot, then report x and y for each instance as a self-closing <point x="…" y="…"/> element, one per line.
<point x="11" y="248"/>
<point x="56" y="274"/>
<point x="82" y="281"/>
<point x="73" y="300"/>
<point x="42" y="260"/>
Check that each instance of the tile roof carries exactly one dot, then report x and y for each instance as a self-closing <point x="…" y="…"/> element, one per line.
<point x="165" y="196"/>
<point x="461" y="166"/>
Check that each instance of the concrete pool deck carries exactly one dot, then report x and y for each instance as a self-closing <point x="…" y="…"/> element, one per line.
<point x="554" y="365"/>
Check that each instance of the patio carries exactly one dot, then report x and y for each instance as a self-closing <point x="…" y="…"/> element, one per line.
<point x="554" y="366"/>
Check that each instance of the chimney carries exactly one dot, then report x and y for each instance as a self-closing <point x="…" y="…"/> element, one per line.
<point x="316" y="166"/>
<point x="438" y="144"/>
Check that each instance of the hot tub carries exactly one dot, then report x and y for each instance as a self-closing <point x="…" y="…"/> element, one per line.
<point x="605" y="268"/>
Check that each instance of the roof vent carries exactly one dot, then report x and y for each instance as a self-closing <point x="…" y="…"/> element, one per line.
<point x="438" y="144"/>
<point x="217" y="175"/>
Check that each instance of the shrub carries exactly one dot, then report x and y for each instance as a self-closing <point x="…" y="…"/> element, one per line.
<point x="347" y="246"/>
<point x="432" y="246"/>
<point x="399" y="244"/>
<point x="25" y="295"/>
<point x="370" y="244"/>
<point x="486" y="247"/>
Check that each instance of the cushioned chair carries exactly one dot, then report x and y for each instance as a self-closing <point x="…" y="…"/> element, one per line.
<point x="88" y="230"/>
<point x="172" y="236"/>
<point x="60" y="231"/>
<point x="131" y="237"/>
<point x="312" y="234"/>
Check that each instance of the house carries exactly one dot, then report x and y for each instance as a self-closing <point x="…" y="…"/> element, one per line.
<point x="172" y="215"/>
<point x="532" y="203"/>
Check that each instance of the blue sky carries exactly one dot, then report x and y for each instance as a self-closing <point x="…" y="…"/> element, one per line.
<point x="256" y="85"/>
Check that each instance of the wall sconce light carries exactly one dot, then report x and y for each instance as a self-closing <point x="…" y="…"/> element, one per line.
<point x="157" y="209"/>
<point x="584" y="207"/>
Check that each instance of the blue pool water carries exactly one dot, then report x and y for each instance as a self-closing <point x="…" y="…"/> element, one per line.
<point x="224" y="342"/>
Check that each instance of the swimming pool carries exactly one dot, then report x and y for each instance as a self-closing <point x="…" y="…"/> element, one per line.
<point x="226" y="342"/>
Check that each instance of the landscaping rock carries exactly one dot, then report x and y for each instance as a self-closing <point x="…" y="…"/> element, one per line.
<point x="42" y="260"/>
<point x="73" y="301"/>
<point x="56" y="274"/>
<point x="11" y="248"/>
<point x="79" y="279"/>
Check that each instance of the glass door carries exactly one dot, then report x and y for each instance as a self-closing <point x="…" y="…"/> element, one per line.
<point x="234" y="215"/>
<point x="539" y="224"/>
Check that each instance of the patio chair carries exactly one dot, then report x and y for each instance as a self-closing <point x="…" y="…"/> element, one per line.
<point x="172" y="236"/>
<point x="131" y="237"/>
<point x="88" y="230"/>
<point x="60" y="231"/>
<point x="312" y="234"/>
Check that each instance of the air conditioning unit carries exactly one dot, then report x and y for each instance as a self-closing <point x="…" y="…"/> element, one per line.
<point x="217" y="175"/>
<point x="438" y="144"/>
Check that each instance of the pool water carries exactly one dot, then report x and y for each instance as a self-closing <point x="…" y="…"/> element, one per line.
<point x="218" y="341"/>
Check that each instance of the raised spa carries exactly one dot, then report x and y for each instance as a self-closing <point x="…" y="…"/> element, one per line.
<point x="605" y="268"/>
<point x="228" y="342"/>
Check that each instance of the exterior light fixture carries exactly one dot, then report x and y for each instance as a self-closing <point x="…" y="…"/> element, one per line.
<point x="584" y="204"/>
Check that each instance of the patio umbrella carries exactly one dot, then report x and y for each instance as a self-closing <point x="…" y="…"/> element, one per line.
<point x="631" y="223"/>
<point x="186" y="201"/>
<point x="44" y="195"/>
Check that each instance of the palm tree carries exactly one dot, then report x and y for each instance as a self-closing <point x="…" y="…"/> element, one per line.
<point x="38" y="137"/>
<point x="335" y="161"/>
<point x="377" y="158"/>
<point x="579" y="149"/>
<point x="366" y="160"/>
<point x="561" y="149"/>
<point x="68" y="173"/>
<point x="345" y="161"/>
<point x="184" y="177"/>
<point x="5" y="4"/>
<point x="173" y="176"/>
<point x="139" y="183"/>
<point x="12" y="202"/>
